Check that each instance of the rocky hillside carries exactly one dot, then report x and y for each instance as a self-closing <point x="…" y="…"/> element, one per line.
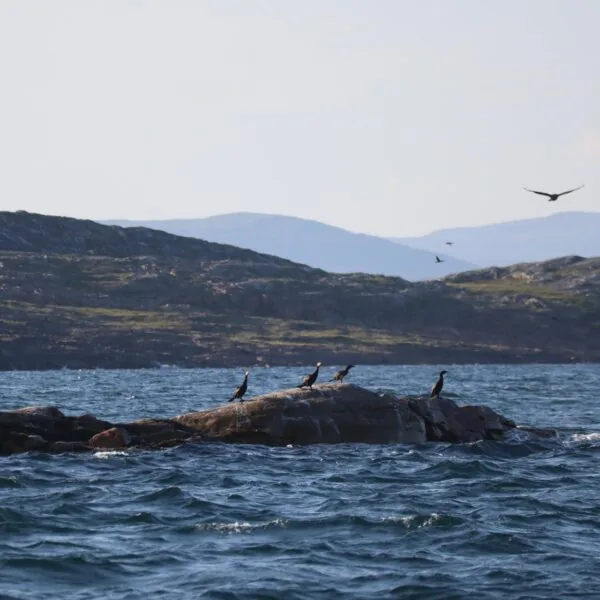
<point x="79" y="294"/>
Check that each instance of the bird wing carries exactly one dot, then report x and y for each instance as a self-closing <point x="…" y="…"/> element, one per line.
<point x="569" y="191"/>
<point x="540" y="193"/>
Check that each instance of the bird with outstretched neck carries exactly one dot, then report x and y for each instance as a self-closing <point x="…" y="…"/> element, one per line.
<point x="339" y="375"/>
<point x="553" y="197"/>
<point x="310" y="379"/>
<point x="436" y="390"/>
<point x="241" y="390"/>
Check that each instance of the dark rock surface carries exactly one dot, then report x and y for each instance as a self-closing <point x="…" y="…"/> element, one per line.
<point x="343" y="413"/>
<point x="330" y="414"/>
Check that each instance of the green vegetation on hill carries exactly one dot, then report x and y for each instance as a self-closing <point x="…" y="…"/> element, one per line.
<point x="78" y="294"/>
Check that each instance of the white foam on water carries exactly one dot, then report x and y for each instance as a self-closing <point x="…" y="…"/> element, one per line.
<point x="586" y="437"/>
<point x="517" y="435"/>
<point x="109" y="453"/>
<point x="410" y="520"/>
<point x="239" y="527"/>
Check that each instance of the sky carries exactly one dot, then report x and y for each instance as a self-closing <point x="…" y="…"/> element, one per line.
<point x="389" y="117"/>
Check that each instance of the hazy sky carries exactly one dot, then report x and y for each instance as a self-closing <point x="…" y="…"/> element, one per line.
<point x="390" y="117"/>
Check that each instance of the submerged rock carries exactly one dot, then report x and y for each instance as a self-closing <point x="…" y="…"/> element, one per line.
<point x="327" y="414"/>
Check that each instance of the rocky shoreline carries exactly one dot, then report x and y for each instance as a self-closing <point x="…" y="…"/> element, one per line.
<point x="328" y="413"/>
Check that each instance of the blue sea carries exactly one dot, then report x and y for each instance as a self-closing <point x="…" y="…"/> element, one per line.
<point x="518" y="519"/>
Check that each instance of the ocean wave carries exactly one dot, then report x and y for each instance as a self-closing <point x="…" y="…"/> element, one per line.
<point x="9" y="482"/>
<point x="586" y="438"/>
<point x="103" y="454"/>
<point x="417" y="521"/>
<point x="410" y="521"/>
<point x="239" y="527"/>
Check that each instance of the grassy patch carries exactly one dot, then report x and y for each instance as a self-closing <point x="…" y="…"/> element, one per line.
<point x="515" y="287"/>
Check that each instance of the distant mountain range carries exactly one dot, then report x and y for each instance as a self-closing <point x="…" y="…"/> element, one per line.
<point x="312" y="243"/>
<point x="528" y="240"/>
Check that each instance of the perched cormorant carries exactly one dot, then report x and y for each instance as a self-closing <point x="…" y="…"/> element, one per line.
<point x="438" y="259"/>
<point x="436" y="390"/>
<point x="310" y="379"/>
<point x="241" y="390"/>
<point x="339" y="375"/>
<point x="553" y="197"/>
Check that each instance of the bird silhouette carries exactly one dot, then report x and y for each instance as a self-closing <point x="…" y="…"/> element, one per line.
<point x="449" y="243"/>
<point x="241" y="390"/>
<point x="339" y="375"/>
<point x="436" y="390"/>
<point x="438" y="259"/>
<point x="553" y="197"/>
<point x="310" y="379"/>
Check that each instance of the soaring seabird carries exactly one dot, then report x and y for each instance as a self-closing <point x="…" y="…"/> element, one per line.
<point x="449" y="243"/>
<point x="554" y="197"/>
<point x="310" y="379"/>
<point x="438" y="259"/>
<point x="339" y="375"/>
<point x="240" y="391"/>
<point x="436" y="390"/>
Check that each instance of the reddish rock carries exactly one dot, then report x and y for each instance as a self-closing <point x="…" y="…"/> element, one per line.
<point x="116" y="437"/>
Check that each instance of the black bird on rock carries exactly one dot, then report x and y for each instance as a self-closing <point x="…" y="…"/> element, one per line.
<point x="339" y="375"/>
<point x="310" y="379"/>
<point x="241" y="390"/>
<point x="553" y="197"/>
<point x="436" y="390"/>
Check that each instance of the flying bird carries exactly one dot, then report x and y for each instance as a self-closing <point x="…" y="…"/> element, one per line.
<point x="241" y="390"/>
<point x="339" y="375"/>
<point x="436" y="390"/>
<point x="310" y="379"/>
<point x="553" y="197"/>
<point x="449" y="243"/>
<point x="438" y="259"/>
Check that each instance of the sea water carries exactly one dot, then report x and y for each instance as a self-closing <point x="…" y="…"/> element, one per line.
<point x="514" y="519"/>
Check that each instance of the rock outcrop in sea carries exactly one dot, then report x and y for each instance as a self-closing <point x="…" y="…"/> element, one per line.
<point x="327" y="414"/>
